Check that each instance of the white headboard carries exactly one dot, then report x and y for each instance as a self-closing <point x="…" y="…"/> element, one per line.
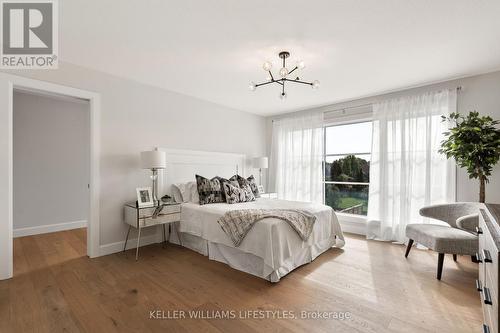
<point x="183" y="165"/>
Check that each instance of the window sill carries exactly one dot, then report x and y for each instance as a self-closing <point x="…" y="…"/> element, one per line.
<point x="355" y="224"/>
<point x="352" y="217"/>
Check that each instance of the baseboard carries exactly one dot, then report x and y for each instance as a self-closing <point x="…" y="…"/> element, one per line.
<point x="43" y="229"/>
<point x="111" y="248"/>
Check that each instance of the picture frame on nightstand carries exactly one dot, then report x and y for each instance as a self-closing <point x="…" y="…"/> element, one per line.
<point x="144" y="197"/>
<point x="261" y="189"/>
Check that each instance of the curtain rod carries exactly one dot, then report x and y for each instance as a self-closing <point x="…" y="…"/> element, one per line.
<point x="458" y="89"/>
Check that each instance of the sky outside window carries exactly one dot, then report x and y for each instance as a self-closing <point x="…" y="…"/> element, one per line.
<point x="349" y="139"/>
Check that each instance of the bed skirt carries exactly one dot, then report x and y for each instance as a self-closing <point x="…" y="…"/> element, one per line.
<point x="250" y="263"/>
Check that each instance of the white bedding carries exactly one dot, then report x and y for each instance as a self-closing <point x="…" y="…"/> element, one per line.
<point x="274" y="247"/>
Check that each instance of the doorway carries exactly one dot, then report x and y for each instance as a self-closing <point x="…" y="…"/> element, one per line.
<point x="51" y="166"/>
<point x="9" y="85"/>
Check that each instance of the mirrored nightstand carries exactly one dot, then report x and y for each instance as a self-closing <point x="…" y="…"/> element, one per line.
<point x="140" y="218"/>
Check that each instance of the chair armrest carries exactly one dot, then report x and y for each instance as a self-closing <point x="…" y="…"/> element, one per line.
<point x="468" y="222"/>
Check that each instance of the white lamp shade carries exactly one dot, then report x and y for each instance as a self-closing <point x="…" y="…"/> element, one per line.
<point x="261" y="162"/>
<point x="153" y="159"/>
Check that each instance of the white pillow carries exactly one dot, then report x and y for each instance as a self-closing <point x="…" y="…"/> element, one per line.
<point x="176" y="193"/>
<point x="193" y="189"/>
<point x="182" y="187"/>
<point x="189" y="192"/>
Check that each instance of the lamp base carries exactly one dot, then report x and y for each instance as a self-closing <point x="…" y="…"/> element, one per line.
<point x="154" y="178"/>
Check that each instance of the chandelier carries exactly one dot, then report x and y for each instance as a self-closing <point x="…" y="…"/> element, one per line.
<point x="284" y="75"/>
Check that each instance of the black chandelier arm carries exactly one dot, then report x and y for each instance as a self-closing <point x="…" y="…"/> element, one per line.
<point x="263" y="83"/>
<point x="298" y="81"/>
<point x="293" y="70"/>
<point x="269" y="82"/>
<point x="282" y="82"/>
<point x="271" y="74"/>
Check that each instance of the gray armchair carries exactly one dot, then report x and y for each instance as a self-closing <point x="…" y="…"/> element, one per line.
<point x="457" y="237"/>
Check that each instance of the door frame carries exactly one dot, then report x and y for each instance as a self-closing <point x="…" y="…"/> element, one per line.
<point x="8" y="83"/>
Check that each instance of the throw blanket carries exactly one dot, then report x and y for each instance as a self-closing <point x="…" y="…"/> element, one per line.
<point x="237" y="223"/>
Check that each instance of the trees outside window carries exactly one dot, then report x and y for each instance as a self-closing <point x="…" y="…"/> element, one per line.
<point x="347" y="167"/>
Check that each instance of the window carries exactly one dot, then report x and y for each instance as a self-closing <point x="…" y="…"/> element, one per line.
<point x="347" y="167"/>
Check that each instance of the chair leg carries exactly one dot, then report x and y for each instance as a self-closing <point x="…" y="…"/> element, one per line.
<point x="454" y="257"/>
<point x="408" y="248"/>
<point x="440" y="265"/>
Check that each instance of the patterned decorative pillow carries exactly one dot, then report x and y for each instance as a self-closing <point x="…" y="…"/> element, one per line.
<point x="248" y="193"/>
<point x="224" y="180"/>
<point x="250" y="181"/>
<point x="253" y="185"/>
<point x="209" y="190"/>
<point x="235" y="178"/>
<point x="236" y="194"/>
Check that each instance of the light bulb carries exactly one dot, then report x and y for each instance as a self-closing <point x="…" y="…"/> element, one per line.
<point x="315" y="84"/>
<point x="252" y="86"/>
<point x="283" y="95"/>
<point x="283" y="72"/>
<point x="267" y="66"/>
<point x="301" y="64"/>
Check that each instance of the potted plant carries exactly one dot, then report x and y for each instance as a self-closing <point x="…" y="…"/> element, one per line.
<point x="474" y="142"/>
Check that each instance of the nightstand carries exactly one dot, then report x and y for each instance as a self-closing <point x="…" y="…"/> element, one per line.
<point x="271" y="195"/>
<point x="140" y="218"/>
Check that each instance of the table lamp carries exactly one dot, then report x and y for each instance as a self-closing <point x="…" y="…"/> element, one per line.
<point x="260" y="163"/>
<point x="154" y="160"/>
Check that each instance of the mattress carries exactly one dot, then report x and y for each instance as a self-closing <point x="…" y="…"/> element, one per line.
<point x="271" y="249"/>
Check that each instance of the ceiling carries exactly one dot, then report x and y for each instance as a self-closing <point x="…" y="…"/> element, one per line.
<point x="213" y="49"/>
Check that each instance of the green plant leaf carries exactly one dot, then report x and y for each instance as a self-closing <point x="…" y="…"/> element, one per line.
<point x="474" y="143"/>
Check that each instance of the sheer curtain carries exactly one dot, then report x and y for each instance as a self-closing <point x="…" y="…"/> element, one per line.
<point x="406" y="171"/>
<point x="297" y="157"/>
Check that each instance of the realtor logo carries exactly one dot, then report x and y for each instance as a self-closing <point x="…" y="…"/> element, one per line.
<point x="29" y="34"/>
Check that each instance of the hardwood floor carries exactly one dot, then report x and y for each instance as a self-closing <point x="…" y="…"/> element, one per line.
<point x="56" y="288"/>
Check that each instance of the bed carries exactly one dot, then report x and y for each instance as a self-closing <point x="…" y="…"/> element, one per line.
<point x="271" y="249"/>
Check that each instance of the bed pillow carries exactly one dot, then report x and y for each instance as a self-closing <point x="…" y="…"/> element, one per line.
<point x="176" y="193"/>
<point x="250" y="181"/>
<point x="224" y="180"/>
<point x="209" y="190"/>
<point x="193" y="190"/>
<point x="253" y="185"/>
<point x="236" y="194"/>
<point x="248" y="192"/>
<point x="188" y="192"/>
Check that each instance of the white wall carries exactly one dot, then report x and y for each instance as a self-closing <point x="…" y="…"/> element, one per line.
<point x="51" y="162"/>
<point x="5" y="180"/>
<point x="136" y="117"/>
<point x="480" y="93"/>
